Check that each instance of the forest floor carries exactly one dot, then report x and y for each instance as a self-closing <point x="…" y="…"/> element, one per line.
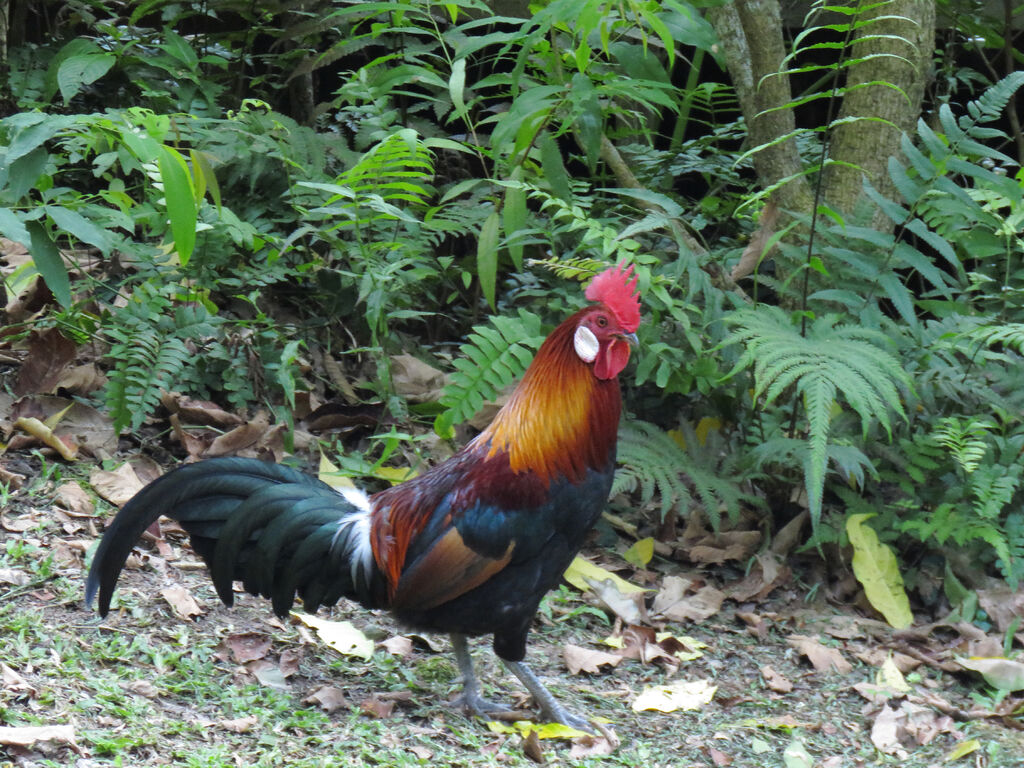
<point x="759" y="676"/>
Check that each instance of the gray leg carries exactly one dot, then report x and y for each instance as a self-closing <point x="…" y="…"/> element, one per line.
<point x="471" y="700"/>
<point x="550" y="709"/>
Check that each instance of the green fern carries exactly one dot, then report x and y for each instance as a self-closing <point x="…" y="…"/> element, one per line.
<point x="829" y="361"/>
<point x="147" y="362"/>
<point x="494" y="356"/>
<point x="654" y="465"/>
<point x="965" y="440"/>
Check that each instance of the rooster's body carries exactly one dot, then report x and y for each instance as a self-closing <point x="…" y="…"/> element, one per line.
<point x="468" y="548"/>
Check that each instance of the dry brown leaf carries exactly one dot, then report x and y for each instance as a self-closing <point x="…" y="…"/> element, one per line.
<point x="532" y="749"/>
<point x="14" y="576"/>
<point x="762" y="580"/>
<point x="399" y="645"/>
<point x="775" y="681"/>
<point x="629" y="607"/>
<point x="378" y="706"/>
<point x="181" y="602"/>
<point x="18" y="524"/>
<point x="822" y="658"/>
<point x="80" y="379"/>
<point x="719" y="758"/>
<point x="239" y="438"/>
<point x="72" y="497"/>
<point x="49" y="352"/>
<point x="1003" y="605"/>
<point x="29" y="736"/>
<point x="248" y="646"/>
<point x="593" y="746"/>
<point x="728" y="545"/>
<point x="415" y="380"/>
<point x="673" y="589"/>
<point x="117" y="486"/>
<point x="706" y="602"/>
<point x="329" y="698"/>
<point x="289" y="661"/>
<point x="201" y="412"/>
<point x="423" y="753"/>
<point x="240" y="724"/>
<point x="578" y="659"/>
<point x="13" y="681"/>
<point x="268" y="674"/>
<point x="143" y="688"/>
<point x="756" y="625"/>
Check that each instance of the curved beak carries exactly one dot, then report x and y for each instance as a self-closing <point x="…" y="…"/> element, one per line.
<point x="629" y="338"/>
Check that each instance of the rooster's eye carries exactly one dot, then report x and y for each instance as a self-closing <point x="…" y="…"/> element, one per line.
<point x="602" y="321"/>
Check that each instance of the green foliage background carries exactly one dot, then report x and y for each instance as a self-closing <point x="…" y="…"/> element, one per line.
<point x="451" y="166"/>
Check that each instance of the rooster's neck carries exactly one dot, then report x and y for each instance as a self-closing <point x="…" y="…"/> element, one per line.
<point x="561" y="420"/>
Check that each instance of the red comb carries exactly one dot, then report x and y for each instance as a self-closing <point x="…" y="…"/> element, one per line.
<point x="616" y="289"/>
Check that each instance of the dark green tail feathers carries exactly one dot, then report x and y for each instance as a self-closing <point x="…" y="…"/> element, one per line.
<point x="275" y="529"/>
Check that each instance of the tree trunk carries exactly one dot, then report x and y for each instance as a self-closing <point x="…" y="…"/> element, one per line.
<point x="906" y="37"/>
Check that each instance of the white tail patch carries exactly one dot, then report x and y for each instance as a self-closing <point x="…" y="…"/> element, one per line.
<point x="353" y="534"/>
<point x="585" y="344"/>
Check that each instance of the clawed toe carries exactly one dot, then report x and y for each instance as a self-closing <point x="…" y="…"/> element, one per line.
<point x="478" y="706"/>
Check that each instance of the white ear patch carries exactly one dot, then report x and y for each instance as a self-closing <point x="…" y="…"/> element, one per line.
<point x="585" y="343"/>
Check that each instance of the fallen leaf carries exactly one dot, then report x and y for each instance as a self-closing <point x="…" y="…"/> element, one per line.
<point x="289" y="662"/>
<point x="775" y="681"/>
<point x="543" y="730"/>
<point x="796" y="755"/>
<point x="581" y="572"/>
<point x="963" y="749"/>
<point x="44" y="434"/>
<point x="117" y="486"/>
<point x="685" y="695"/>
<point x="28" y="736"/>
<point x="342" y="636"/>
<point x="719" y="758"/>
<point x="399" y="645"/>
<point x="628" y="606"/>
<point x="415" y="380"/>
<point x="201" y="412"/>
<point x="49" y="352"/>
<point x="13" y="681"/>
<point x="268" y="674"/>
<point x="592" y="746"/>
<point x="237" y="439"/>
<point x="531" y="748"/>
<point x="239" y="724"/>
<point x="877" y="570"/>
<point x="248" y="646"/>
<point x="329" y="698"/>
<point x="822" y="658"/>
<point x="1004" y="674"/>
<point x="378" y="707"/>
<point x="72" y="497"/>
<point x="890" y="676"/>
<point x="640" y="553"/>
<point x="578" y="659"/>
<point x="701" y="605"/>
<point x="181" y="602"/>
<point x="15" y="576"/>
<point x="143" y="688"/>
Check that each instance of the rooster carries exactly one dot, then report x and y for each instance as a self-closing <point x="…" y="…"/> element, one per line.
<point x="468" y="548"/>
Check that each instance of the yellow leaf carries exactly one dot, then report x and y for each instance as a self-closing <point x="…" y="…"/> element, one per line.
<point x="342" y="636"/>
<point x="331" y="475"/>
<point x="581" y="569"/>
<point x="395" y="475"/>
<point x="875" y="567"/>
<point x="55" y="418"/>
<point x="889" y="676"/>
<point x="705" y="426"/>
<point x="45" y="434"/>
<point x="681" y="694"/>
<point x="543" y="730"/>
<point x="962" y="749"/>
<point x="640" y="553"/>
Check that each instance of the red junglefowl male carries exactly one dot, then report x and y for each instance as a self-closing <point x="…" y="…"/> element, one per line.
<point x="469" y="547"/>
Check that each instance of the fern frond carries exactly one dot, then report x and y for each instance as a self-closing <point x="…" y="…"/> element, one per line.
<point x="494" y="356"/>
<point x="828" y="360"/>
<point x="147" y="362"/>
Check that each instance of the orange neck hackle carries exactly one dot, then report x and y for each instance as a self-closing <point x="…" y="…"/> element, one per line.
<point x="560" y="420"/>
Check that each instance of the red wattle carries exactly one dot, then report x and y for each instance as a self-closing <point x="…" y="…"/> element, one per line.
<point x="611" y="359"/>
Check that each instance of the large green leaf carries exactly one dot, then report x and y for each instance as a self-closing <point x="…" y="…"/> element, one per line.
<point x="46" y="256"/>
<point x="487" y="257"/>
<point x="181" y="201"/>
<point x="83" y="69"/>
